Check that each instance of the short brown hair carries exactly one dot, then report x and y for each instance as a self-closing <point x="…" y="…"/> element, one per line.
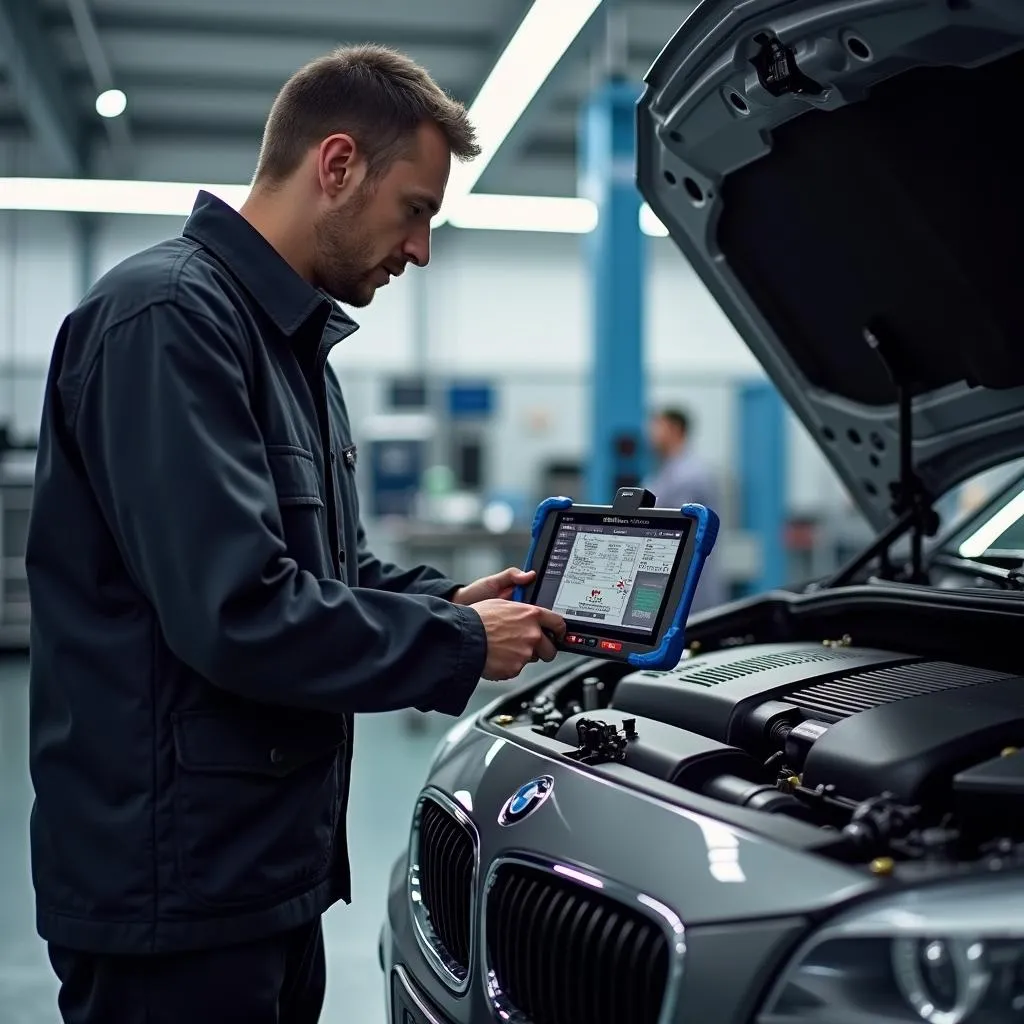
<point x="378" y="96"/>
<point x="678" y="418"/>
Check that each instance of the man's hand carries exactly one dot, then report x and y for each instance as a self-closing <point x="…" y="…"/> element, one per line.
<point x="517" y="634"/>
<point x="498" y="587"/>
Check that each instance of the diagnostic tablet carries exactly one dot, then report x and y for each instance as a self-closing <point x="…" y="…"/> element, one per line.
<point x="622" y="576"/>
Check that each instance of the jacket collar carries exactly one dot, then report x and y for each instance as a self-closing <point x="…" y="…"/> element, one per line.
<point x="291" y="302"/>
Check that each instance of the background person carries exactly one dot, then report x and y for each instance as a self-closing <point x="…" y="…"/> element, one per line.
<point x="682" y="478"/>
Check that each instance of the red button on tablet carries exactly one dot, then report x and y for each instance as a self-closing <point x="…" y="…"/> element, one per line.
<point x="610" y="645"/>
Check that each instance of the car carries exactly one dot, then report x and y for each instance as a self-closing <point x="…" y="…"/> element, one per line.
<point x="818" y="815"/>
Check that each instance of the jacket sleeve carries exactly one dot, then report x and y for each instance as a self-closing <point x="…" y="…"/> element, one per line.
<point x="384" y="576"/>
<point x="178" y="464"/>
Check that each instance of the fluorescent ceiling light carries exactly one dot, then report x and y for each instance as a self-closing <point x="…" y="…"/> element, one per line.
<point x="480" y="211"/>
<point x="556" y="214"/>
<point x="111" y="103"/>
<point x="988" y="533"/>
<point x="545" y="33"/>
<point x="106" y="195"/>
<point x="524" y="213"/>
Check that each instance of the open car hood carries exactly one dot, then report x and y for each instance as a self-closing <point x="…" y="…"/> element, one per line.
<point x="842" y="174"/>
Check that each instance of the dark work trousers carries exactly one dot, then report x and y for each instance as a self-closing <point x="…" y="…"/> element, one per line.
<point x="279" y="980"/>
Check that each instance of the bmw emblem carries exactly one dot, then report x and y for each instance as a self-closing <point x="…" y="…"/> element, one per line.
<point x="525" y="800"/>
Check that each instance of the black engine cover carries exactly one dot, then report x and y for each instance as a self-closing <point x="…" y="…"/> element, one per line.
<point x="895" y="723"/>
<point x="913" y="747"/>
<point x="713" y="694"/>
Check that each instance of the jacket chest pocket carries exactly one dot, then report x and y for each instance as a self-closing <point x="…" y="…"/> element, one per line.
<point x="303" y="513"/>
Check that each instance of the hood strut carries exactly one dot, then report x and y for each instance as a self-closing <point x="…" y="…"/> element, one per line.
<point x="911" y="503"/>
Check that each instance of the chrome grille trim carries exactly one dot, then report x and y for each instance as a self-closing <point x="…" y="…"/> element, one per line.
<point x="453" y="974"/>
<point x="662" y="915"/>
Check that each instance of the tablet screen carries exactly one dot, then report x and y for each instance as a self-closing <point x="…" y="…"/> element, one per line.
<point x="611" y="573"/>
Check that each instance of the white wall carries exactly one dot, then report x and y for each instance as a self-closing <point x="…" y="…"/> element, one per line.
<point x="514" y="308"/>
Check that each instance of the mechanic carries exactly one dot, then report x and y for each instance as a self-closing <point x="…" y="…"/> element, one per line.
<point x="206" y="615"/>
<point x="682" y="478"/>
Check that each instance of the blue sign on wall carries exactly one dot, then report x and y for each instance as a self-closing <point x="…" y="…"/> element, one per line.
<point x="470" y="401"/>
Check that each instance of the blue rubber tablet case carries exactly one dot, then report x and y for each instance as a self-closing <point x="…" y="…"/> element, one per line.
<point x="564" y="531"/>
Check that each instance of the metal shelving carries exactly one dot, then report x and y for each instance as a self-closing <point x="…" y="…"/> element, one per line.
<point x="17" y="469"/>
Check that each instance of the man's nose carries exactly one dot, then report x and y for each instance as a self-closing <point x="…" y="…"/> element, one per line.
<point x="417" y="247"/>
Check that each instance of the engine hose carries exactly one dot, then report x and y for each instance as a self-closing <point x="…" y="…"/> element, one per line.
<point x="756" y="795"/>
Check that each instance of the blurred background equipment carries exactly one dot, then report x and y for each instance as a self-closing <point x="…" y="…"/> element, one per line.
<point x="17" y="468"/>
<point x="398" y="445"/>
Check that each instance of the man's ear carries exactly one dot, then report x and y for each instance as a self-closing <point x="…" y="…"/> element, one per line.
<point x="340" y="166"/>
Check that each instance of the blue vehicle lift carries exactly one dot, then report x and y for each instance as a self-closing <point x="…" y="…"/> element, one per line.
<point x="615" y="253"/>
<point x="762" y="477"/>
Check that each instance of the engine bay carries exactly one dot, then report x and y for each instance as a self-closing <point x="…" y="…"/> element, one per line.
<point x="898" y="760"/>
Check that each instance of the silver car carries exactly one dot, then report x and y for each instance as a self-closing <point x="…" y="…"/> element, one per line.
<point x="818" y="816"/>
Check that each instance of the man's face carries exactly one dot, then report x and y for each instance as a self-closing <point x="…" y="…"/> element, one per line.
<point x="665" y="436"/>
<point x="369" y="238"/>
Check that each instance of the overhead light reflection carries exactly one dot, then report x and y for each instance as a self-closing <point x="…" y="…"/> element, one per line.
<point x="989" y="532"/>
<point x="723" y="851"/>
<point x="579" y="876"/>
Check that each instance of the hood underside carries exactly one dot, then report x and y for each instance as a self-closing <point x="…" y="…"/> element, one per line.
<point x="843" y="175"/>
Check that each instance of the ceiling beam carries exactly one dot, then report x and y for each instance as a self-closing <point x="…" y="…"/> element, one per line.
<point x="327" y="31"/>
<point x="101" y="79"/>
<point x="33" y="71"/>
<point x="269" y="82"/>
<point x="549" y="147"/>
<point x="263" y="83"/>
<point x="185" y="129"/>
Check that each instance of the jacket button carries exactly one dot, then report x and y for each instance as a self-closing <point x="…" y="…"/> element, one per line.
<point x="276" y="757"/>
<point x="341" y="556"/>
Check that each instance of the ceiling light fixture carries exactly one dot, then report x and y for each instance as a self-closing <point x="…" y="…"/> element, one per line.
<point x="546" y="32"/>
<point x="111" y="103"/>
<point x="106" y="195"/>
<point x="478" y="210"/>
<point x="486" y="212"/>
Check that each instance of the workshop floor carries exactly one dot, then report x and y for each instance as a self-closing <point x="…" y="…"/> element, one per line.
<point x="390" y="763"/>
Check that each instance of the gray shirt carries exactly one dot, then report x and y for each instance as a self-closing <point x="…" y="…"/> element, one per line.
<point x="684" y="480"/>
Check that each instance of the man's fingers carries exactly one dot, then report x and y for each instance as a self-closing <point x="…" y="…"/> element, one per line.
<point x="515" y="577"/>
<point x="546" y="650"/>
<point x="506" y="581"/>
<point x="551" y="622"/>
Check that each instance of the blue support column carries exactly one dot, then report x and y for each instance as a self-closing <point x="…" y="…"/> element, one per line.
<point x="763" y="476"/>
<point x="615" y="257"/>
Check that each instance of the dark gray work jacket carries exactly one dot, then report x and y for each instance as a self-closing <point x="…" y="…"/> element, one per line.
<point x="206" y="617"/>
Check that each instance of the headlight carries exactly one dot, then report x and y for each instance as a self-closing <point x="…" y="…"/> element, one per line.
<point x="949" y="954"/>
